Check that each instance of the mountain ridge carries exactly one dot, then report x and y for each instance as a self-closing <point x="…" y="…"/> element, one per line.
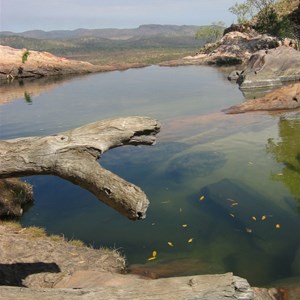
<point x="110" y="33"/>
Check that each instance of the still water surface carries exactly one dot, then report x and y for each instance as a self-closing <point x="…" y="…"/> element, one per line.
<point x="232" y="181"/>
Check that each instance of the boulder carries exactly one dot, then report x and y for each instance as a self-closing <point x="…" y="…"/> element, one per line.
<point x="271" y="68"/>
<point x="284" y="98"/>
<point x="234" y="75"/>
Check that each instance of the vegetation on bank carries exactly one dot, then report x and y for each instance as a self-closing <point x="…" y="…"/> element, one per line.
<point x="273" y="17"/>
<point x="279" y="18"/>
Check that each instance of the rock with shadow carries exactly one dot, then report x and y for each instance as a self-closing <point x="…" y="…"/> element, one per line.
<point x="14" y="274"/>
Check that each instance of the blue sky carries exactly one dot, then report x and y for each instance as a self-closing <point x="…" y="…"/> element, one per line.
<point x="21" y="15"/>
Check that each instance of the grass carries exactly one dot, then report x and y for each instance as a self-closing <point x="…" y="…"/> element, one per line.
<point x="38" y="232"/>
<point x="146" y="56"/>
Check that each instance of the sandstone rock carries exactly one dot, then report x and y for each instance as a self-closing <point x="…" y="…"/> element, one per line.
<point x="31" y="259"/>
<point x="284" y="98"/>
<point x="234" y="75"/>
<point x="39" y="64"/>
<point x="271" y="68"/>
<point x="14" y="195"/>
<point x="209" y="287"/>
<point x="234" y="48"/>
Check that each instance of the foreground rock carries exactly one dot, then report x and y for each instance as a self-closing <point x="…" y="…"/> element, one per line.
<point x="40" y="64"/>
<point x="122" y="287"/>
<point x="34" y="266"/>
<point x="234" y="48"/>
<point x="271" y="68"/>
<point x="284" y="98"/>
<point x="31" y="259"/>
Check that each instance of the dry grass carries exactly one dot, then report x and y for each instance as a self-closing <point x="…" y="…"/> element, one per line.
<point x="147" y="56"/>
<point x="285" y="7"/>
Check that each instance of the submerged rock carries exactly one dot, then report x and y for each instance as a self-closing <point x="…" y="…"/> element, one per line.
<point x="271" y="68"/>
<point x="284" y="98"/>
<point x="199" y="164"/>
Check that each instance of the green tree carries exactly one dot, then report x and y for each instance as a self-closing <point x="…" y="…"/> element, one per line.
<point x="264" y="13"/>
<point x="242" y="12"/>
<point x="25" y="56"/>
<point x="247" y="10"/>
<point x="212" y="33"/>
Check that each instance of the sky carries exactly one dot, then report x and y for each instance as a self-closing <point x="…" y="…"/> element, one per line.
<point x="22" y="15"/>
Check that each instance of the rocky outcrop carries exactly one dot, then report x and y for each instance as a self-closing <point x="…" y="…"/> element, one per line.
<point x="14" y="196"/>
<point x="234" y="48"/>
<point x="271" y="68"/>
<point x="284" y="98"/>
<point x="40" y="64"/>
<point x="40" y="267"/>
<point x="29" y="258"/>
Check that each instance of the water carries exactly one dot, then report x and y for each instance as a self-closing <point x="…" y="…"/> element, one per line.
<point x="230" y="179"/>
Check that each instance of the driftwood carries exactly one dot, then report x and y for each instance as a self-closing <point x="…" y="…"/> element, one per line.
<point x="73" y="155"/>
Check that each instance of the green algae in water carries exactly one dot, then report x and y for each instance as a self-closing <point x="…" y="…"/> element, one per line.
<point x="287" y="152"/>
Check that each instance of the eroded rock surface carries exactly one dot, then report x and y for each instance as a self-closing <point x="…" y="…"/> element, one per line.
<point x="234" y="48"/>
<point x="271" y="68"/>
<point x="39" y="64"/>
<point x="284" y="98"/>
<point x="30" y="259"/>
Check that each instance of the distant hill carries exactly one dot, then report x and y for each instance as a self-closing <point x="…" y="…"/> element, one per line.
<point x="147" y="44"/>
<point x="73" y="42"/>
<point x="110" y="33"/>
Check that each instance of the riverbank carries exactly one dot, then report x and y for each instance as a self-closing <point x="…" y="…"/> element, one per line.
<point x="21" y="63"/>
<point x="52" y="267"/>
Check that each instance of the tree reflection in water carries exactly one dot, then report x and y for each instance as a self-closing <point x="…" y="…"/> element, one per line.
<point x="287" y="152"/>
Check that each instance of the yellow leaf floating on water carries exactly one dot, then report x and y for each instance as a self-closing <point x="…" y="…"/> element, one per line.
<point x="253" y="218"/>
<point x="277" y="226"/>
<point x="234" y="204"/>
<point x="232" y="215"/>
<point x="170" y="244"/>
<point x="201" y="198"/>
<point x="184" y="225"/>
<point x="151" y="258"/>
<point x="248" y="230"/>
<point x="190" y="240"/>
<point x="263" y="218"/>
<point x="180" y="210"/>
<point x="154" y="253"/>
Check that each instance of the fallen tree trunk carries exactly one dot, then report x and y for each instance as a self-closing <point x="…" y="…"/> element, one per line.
<point x="73" y="155"/>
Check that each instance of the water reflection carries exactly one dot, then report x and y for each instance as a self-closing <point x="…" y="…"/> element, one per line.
<point x="27" y="88"/>
<point x="287" y="151"/>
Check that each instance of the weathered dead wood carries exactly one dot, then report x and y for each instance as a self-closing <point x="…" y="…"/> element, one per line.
<point x="73" y="155"/>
